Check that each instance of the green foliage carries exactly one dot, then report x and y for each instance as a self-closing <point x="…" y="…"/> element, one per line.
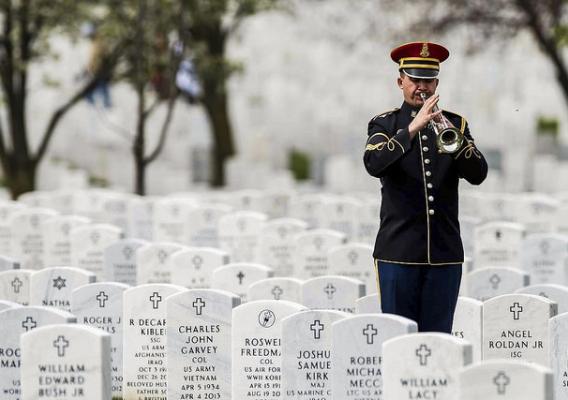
<point x="547" y="126"/>
<point x="299" y="163"/>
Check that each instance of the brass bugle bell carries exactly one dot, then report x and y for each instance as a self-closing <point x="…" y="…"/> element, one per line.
<point x="449" y="139"/>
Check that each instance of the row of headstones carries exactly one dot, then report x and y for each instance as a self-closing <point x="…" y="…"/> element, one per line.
<point x="55" y="287"/>
<point x="201" y="343"/>
<point x="159" y="218"/>
<point x="190" y="339"/>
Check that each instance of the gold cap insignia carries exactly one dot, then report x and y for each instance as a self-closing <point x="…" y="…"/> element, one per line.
<point x="425" y="52"/>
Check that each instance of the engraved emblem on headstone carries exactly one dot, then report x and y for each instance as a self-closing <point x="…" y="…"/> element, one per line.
<point x="127" y="252"/>
<point x="277" y="292"/>
<point x="175" y="210"/>
<point x="330" y="290"/>
<point x="246" y="201"/>
<point x="501" y="380"/>
<point x="423" y="352"/>
<point x="34" y="221"/>
<point x="65" y="229"/>
<point x="266" y="318"/>
<point x="28" y="324"/>
<point x="339" y="208"/>
<point x="516" y="309"/>
<point x="162" y="255"/>
<point x="543" y="294"/>
<point x="102" y="297"/>
<point x="240" y="277"/>
<point x="17" y="284"/>
<point x="282" y="232"/>
<point x="61" y="344"/>
<point x="198" y="304"/>
<point x="207" y="215"/>
<point x="495" y="280"/>
<point x="498" y="235"/>
<point x="318" y="243"/>
<point x="352" y="256"/>
<point x="59" y="283"/>
<point x="316" y="328"/>
<point x="370" y="331"/>
<point x="241" y="224"/>
<point x="95" y="236"/>
<point x="197" y="261"/>
<point x="156" y="299"/>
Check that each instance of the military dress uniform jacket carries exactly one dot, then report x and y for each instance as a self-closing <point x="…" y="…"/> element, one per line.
<point x="419" y="210"/>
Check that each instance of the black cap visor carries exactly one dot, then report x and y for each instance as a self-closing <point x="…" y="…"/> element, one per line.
<point x="421" y="73"/>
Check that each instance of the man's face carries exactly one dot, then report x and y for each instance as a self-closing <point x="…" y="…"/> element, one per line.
<point x="412" y="87"/>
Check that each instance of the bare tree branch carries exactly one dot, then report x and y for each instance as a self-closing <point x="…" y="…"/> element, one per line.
<point x="163" y="132"/>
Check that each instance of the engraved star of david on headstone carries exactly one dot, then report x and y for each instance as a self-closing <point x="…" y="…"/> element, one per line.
<point x="277" y="292"/>
<point x="516" y="309"/>
<point x="501" y="380"/>
<point x="266" y="318"/>
<point x="495" y="280"/>
<point x="370" y="331"/>
<point x="353" y="256"/>
<point x="102" y="297"/>
<point x="198" y="304"/>
<point x="127" y="252"/>
<point x="16" y="284"/>
<point x="197" y="261"/>
<point x="61" y="345"/>
<point x="28" y="324"/>
<point x="155" y="299"/>
<point x="423" y="352"/>
<point x="330" y="291"/>
<point x="317" y="327"/>
<point x="59" y="283"/>
<point x="162" y="255"/>
<point x="95" y="236"/>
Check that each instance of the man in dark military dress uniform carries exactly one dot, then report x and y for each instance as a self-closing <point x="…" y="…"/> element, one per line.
<point x="418" y="252"/>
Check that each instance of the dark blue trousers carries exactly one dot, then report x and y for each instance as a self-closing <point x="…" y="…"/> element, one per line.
<point x="423" y="293"/>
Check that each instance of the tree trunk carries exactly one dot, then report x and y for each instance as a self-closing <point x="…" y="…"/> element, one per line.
<point x="21" y="178"/>
<point x="140" y="172"/>
<point x="216" y="106"/>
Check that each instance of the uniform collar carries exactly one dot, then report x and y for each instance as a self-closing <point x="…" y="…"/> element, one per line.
<point x="408" y="109"/>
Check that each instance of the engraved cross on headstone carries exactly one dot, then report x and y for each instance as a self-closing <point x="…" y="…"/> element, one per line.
<point x="240" y="276"/>
<point x="102" y="297"/>
<point x="352" y="256"/>
<point x="61" y="344"/>
<point x="197" y="261"/>
<point x="370" y="331"/>
<point x="198" y="304"/>
<point x="495" y="280"/>
<point x="501" y="380"/>
<point x="316" y="328"/>
<point x="162" y="255"/>
<point x="423" y="352"/>
<point x="516" y="309"/>
<point x="127" y="252"/>
<point x="330" y="290"/>
<point x="29" y="324"/>
<point x="17" y="284"/>
<point x="155" y="299"/>
<point x="498" y="235"/>
<point x="277" y="292"/>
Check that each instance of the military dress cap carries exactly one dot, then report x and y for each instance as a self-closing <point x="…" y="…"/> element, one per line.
<point x="420" y="59"/>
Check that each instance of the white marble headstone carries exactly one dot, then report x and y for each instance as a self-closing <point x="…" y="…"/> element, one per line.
<point x="558" y="328"/>
<point x="357" y="353"/>
<point x="369" y="215"/>
<point x="8" y="263"/>
<point x="15" y="286"/>
<point x="370" y="304"/>
<point x="199" y="343"/>
<point x="312" y="248"/>
<point x="424" y="366"/>
<point x="7" y="210"/>
<point x="56" y="365"/>
<point x="306" y="354"/>
<point x="545" y="258"/>
<point x="27" y="240"/>
<point x="307" y="208"/>
<point x="506" y="380"/>
<point x="7" y="304"/>
<point x="353" y="260"/>
<point x="120" y="260"/>
<point x="486" y="283"/>
<point x="100" y="305"/>
<point x="257" y="349"/>
<point x="52" y="287"/>
<point x="341" y="214"/>
<point x="237" y="277"/>
<point x="152" y="262"/>
<point x="289" y="289"/>
<point x="144" y="347"/>
<point x="170" y="218"/>
<point x="498" y="244"/>
<point x="332" y="293"/>
<point x="556" y="293"/>
<point x="202" y="227"/>
<point x="193" y="267"/>
<point x="468" y="320"/>
<point x="15" y="322"/>
<point x="57" y="238"/>
<point x="88" y="244"/>
<point x="515" y="326"/>
<point x="239" y="233"/>
<point x="141" y="218"/>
